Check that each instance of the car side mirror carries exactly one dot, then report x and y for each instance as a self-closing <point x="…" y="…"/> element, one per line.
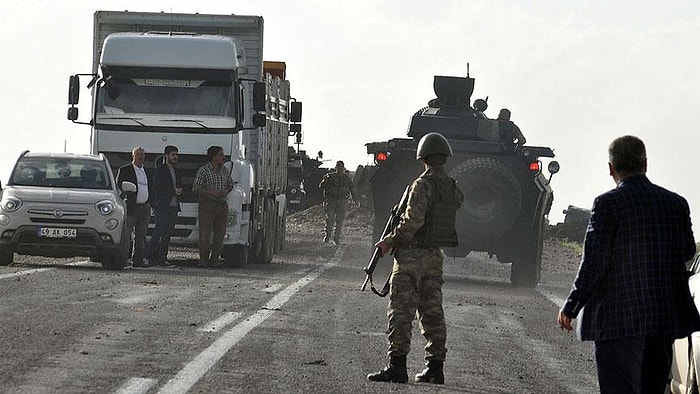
<point x="128" y="187"/>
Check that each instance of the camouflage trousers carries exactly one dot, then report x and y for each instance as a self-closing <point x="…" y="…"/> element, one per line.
<point x="416" y="292"/>
<point x="335" y="216"/>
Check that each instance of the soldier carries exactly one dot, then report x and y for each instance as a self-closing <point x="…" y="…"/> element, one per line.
<point x="511" y="135"/>
<point x="337" y="186"/>
<point x="427" y="224"/>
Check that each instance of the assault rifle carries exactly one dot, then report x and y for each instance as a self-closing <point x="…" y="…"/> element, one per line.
<point x="391" y="223"/>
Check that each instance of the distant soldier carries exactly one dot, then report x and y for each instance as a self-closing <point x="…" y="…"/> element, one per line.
<point x="337" y="187"/>
<point x="427" y="224"/>
<point x="510" y="133"/>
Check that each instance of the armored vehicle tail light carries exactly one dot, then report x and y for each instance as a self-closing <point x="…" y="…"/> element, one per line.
<point x="535" y="166"/>
<point x="380" y="157"/>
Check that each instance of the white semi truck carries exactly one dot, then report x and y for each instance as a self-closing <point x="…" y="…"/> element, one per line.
<point x="192" y="81"/>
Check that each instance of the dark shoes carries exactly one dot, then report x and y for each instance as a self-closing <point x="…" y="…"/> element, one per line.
<point x="432" y="373"/>
<point x="394" y="372"/>
<point x="210" y="264"/>
<point x="160" y="263"/>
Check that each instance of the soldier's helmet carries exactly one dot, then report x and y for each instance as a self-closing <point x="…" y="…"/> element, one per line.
<point x="431" y="144"/>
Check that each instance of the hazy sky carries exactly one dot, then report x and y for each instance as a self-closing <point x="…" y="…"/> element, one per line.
<point x="575" y="74"/>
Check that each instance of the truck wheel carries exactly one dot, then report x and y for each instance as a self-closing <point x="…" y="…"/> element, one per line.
<point x="270" y="232"/>
<point x="492" y="197"/>
<point x="6" y="258"/>
<point x="256" y="247"/>
<point x="525" y="270"/>
<point x="236" y="256"/>
<point x="280" y="238"/>
<point x="117" y="261"/>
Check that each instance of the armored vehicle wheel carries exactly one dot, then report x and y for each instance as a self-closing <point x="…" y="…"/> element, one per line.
<point x="492" y="197"/>
<point x="236" y="256"/>
<point x="525" y="270"/>
<point x="6" y="258"/>
<point x="117" y="261"/>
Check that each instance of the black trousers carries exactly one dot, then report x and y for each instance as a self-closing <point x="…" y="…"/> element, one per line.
<point x="635" y="365"/>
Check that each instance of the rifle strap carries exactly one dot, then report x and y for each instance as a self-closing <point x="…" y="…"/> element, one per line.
<point x="385" y="289"/>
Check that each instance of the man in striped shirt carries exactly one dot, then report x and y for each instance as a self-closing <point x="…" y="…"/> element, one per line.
<point x="212" y="184"/>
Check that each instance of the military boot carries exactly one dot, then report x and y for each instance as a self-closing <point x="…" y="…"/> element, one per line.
<point x="394" y="372"/>
<point x="432" y="374"/>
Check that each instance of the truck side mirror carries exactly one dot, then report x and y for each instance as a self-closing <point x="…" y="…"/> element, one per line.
<point x="259" y="120"/>
<point x="259" y="96"/>
<point x="295" y="115"/>
<point x="73" y="113"/>
<point x="73" y="90"/>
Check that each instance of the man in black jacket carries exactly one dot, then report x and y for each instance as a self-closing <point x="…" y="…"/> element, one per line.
<point x="167" y="190"/>
<point x="631" y="291"/>
<point x="137" y="204"/>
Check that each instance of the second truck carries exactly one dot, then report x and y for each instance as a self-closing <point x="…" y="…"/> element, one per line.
<point x="192" y="81"/>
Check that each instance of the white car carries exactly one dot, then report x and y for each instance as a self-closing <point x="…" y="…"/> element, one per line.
<point x="686" y="354"/>
<point x="64" y="205"/>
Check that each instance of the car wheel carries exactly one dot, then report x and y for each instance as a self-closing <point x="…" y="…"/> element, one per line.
<point x="117" y="261"/>
<point x="6" y="258"/>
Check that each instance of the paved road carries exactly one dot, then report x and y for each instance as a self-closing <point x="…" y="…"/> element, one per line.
<point x="298" y="324"/>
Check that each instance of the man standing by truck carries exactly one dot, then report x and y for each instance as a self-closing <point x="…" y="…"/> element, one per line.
<point x="212" y="184"/>
<point x="137" y="204"/>
<point x="167" y="190"/>
<point x="426" y="226"/>
<point x="337" y="186"/>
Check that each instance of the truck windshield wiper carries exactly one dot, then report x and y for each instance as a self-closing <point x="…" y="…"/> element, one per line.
<point x="126" y="118"/>
<point x="199" y="122"/>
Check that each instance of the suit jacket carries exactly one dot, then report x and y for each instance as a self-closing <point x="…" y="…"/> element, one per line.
<point x="633" y="279"/>
<point x="127" y="173"/>
<point x="163" y="188"/>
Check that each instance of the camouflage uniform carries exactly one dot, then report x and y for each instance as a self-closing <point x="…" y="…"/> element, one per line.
<point x="416" y="279"/>
<point x="336" y="189"/>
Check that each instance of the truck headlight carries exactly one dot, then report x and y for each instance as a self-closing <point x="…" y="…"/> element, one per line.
<point x="11" y="204"/>
<point x="105" y="208"/>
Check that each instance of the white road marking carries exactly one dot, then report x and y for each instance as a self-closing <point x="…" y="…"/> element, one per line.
<point x="136" y="386"/>
<point x="36" y="270"/>
<point x="199" y="366"/>
<point x="25" y="272"/>
<point x="221" y="322"/>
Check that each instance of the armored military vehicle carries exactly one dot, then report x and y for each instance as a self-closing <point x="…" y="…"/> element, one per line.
<point x="507" y="196"/>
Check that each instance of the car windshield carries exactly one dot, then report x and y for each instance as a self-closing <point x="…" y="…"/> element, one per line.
<point x="74" y="173"/>
<point x="166" y="97"/>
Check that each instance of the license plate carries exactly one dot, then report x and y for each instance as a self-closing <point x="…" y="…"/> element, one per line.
<point x="53" y="232"/>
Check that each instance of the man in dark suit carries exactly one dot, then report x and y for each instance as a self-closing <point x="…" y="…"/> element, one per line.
<point x="167" y="190"/>
<point x="137" y="204"/>
<point x="632" y="283"/>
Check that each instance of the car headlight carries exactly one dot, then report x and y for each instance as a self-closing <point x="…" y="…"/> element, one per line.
<point x="293" y="190"/>
<point x="105" y="208"/>
<point x="11" y="204"/>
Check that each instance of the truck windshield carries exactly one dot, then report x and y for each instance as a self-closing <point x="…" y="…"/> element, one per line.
<point x="166" y="96"/>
